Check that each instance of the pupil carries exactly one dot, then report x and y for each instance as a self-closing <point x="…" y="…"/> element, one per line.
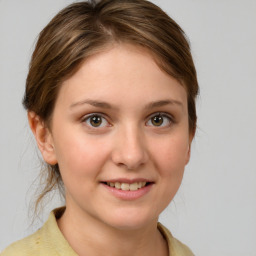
<point x="96" y="121"/>
<point x="157" y="120"/>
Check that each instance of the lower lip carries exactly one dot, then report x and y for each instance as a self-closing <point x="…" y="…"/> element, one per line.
<point x="128" y="194"/>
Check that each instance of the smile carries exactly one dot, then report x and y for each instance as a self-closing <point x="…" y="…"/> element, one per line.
<point x="126" y="186"/>
<point x="125" y="189"/>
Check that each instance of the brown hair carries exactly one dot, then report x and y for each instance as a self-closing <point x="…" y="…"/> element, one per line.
<point x="85" y="28"/>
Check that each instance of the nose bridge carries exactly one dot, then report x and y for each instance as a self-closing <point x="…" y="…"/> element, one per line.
<point x="130" y="146"/>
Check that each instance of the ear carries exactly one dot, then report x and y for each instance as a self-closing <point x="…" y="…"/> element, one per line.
<point x="191" y="136"/>
<point x="188" y="154"/>
<point x="43" y="138"/>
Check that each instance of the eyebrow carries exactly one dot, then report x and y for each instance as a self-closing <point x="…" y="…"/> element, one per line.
<point x="161" y="103"/>
<point x="95" y="103"/>
<point x="102" y="104"/>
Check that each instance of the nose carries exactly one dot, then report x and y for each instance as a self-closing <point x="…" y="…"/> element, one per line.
<point x="130" y="149"/>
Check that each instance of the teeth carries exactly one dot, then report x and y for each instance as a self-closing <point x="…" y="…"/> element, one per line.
<point x="125" y="186"/>
<point x="117" y="185"/>
<point x="134" y="186"/>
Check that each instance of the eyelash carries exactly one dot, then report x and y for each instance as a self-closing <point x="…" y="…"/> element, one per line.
<point x="165" y="117"/>
<point x="89" y="117"/>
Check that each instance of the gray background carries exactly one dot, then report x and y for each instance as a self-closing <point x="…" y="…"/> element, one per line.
<point x="214" y="211"/>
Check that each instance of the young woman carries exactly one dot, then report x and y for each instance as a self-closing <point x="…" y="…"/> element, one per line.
<point x="110" y="97"/>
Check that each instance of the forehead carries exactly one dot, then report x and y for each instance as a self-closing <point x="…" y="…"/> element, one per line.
<point x="118" y="72"/>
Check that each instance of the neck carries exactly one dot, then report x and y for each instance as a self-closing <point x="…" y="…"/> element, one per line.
<point x="90" y="237"/>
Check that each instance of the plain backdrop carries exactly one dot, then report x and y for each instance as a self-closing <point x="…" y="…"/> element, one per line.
<point x="214" y="211"/>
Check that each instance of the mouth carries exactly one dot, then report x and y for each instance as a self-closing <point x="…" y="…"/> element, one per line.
<point x="128" y="186"/>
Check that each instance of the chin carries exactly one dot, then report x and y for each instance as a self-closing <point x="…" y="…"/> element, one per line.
<point x="131" y="220"/>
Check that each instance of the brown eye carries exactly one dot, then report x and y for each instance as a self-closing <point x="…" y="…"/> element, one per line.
<point x="157" y="120"/>
<point x="96" y="121"/>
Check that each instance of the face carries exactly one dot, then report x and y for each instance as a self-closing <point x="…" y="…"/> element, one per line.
<point x="120" y="136"/>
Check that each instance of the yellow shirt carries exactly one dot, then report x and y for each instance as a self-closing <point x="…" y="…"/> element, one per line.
<point x="49" y="241"/>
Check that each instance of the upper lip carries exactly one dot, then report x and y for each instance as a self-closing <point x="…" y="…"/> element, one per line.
<point x="129" y="181"/>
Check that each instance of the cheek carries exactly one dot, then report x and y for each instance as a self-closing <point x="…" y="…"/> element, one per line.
<point x="171" y="156"/>
<point x="80" y="156"/>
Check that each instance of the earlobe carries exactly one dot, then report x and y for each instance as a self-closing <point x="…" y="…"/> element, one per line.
<point x="191" y="137"/>
<point x="43" y="138"/>
<point x="188" y="154"/>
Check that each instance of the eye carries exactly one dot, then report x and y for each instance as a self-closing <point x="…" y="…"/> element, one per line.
<point x="95" y="121"/>
<point x="159" y="120"/>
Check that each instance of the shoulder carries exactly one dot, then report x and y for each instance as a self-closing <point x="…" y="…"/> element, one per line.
<point x="176" y="248"/>
<point x="25" y="247"/>
<point x="42" y="242"/>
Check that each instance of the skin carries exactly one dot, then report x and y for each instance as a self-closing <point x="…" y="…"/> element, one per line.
<point x="127" y="144"/>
